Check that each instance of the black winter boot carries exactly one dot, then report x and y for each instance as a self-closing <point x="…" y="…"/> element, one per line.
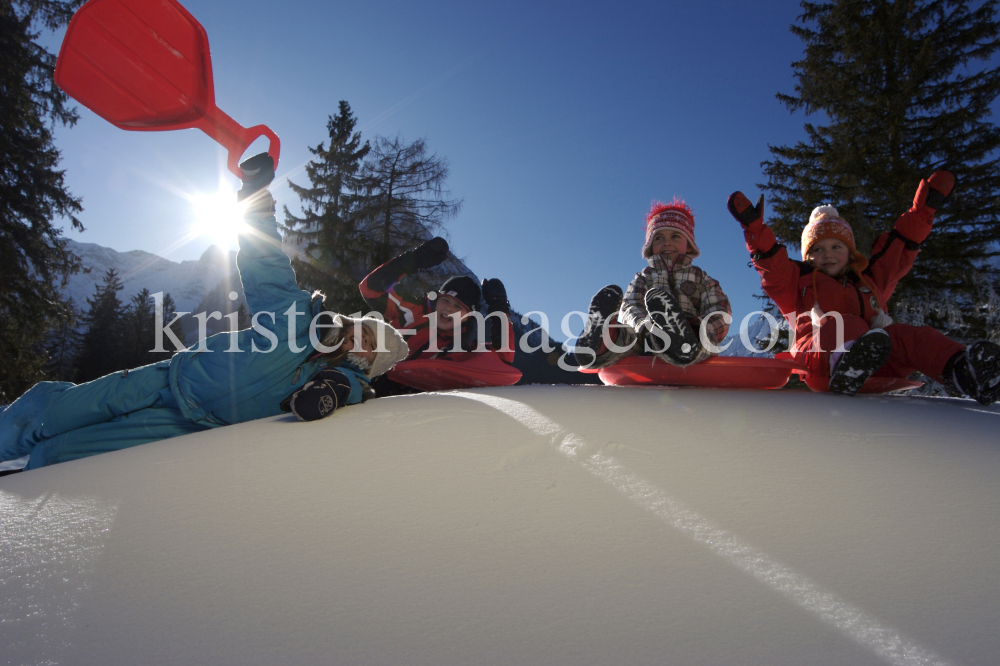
<point x="975" y="372"/>
<point x="861" y="361"/>
<point x="604" y="304"/>
<point x="674" y="334"/>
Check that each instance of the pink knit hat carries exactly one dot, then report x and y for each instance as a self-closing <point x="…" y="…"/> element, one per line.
<point x="675" y="215"/>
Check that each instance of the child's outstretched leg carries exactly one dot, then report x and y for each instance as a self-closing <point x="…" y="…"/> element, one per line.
<point x="679" y="342"/>
<point x="975" y="371"/>
<point x="862" y="359"/>
<point x="603" y="306"/>
<point x="20" y="419"/>
<point x="52" y="408"/>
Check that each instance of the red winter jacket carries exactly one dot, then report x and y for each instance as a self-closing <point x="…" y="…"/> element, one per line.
<point x="795" y="287"/>
<point x="378" y="290"/>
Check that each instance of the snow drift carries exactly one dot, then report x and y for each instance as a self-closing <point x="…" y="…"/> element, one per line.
<point x="544" y="525"/>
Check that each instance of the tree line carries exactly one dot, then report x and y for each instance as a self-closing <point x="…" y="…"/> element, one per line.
<point x="110" y="335"/>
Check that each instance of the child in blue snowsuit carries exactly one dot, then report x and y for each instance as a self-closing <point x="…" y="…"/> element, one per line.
<point x="275" y="369"/>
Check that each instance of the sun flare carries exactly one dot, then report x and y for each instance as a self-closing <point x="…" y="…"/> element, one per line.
<point x="217" y="216"/>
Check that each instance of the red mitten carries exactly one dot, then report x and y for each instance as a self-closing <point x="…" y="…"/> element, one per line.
<point x="935" y="190"/>
<point x="740" y="208"/>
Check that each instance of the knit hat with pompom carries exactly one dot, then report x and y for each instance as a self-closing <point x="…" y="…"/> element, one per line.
<point x="825" y="222"/>
<point x="674" y="215"/>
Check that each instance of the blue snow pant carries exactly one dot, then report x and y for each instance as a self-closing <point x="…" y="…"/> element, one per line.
<point x="60" y="421"/>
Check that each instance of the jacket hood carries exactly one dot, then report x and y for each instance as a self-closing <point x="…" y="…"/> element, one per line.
<point x="390" y="345"/>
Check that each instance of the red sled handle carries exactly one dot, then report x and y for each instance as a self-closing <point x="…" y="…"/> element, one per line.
<point x="235" y="138"/>
<point x="145" y="65"/>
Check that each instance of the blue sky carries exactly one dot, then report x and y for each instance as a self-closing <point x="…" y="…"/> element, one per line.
<point x="561" y="121"/>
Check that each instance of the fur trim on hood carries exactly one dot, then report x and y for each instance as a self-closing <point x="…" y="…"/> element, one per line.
<point x="390" y="345"/>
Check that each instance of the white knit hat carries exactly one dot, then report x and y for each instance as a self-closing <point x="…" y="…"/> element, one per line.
<point x="390" y="345"/>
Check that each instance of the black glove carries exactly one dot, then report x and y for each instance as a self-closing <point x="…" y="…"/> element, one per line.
<point x="324" y="393"/>
<point x="740" y="208"/>
<point x="428" y="255"/>
<point x="495" y="295"/>
<point x="431" y="253"/>
<point x="258" y="172"/>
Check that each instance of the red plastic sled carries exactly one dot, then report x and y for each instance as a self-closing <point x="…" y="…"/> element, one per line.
<point x="145" y="65"/>
<point x="473" y="371"/>
<point x="821" y="384"/>
<point x="871" y="385"/>
<point x="718" y="372"/>
<point x="731" y="372"/>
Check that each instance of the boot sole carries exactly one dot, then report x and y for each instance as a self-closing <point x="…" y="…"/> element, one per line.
<point x="683" y="334"/>
<point x="985" y="360"/>
<point x="860" y="362"/>
<point x="593" y="332"/>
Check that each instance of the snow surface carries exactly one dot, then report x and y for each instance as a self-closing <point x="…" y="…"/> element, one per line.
<point x="536" y="525"/>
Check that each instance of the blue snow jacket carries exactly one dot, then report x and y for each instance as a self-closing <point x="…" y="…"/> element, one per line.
<point x="221" y="383"/>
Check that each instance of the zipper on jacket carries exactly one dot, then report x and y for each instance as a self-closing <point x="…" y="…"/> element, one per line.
<point x="861" y="301"/>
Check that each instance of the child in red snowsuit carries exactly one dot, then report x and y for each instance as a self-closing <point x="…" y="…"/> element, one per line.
<point x="835" y="279"/>
<point x="430" y="328"/>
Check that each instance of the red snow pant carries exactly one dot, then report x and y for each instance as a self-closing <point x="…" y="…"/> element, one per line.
<point x="922" y="348"/>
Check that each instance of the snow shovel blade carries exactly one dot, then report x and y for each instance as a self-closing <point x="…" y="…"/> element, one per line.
<point x="145" y="65"/>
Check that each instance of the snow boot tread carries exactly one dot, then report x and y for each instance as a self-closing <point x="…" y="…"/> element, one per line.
<point x="666" y="314"/>
<point x="984" y="362"/>
<point x="861" y="361"/>
<point x="604" y="304"/>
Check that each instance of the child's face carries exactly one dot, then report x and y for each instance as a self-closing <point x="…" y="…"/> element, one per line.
<point x="830" y="256"/>
<point x="669" y="243"/>
<point x="445" y="308"/>
<point x="366" y="349"/>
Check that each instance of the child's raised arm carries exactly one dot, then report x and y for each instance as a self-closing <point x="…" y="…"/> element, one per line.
<point x="377" y="287"/>
<point x="895" y="251"/>
<point x="779" y="275"/>
<point x="265" y="270"/>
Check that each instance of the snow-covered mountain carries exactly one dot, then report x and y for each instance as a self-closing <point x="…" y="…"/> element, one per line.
<point x="205" y="286"/>
<point x="187" y="281"/>
<point x="201" y="285"/>
<point x="758" y="332"/>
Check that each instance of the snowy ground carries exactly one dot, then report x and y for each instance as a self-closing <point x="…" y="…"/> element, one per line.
<point x="526" y="525"/>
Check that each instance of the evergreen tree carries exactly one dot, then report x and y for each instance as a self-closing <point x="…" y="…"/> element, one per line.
<point x="22" y="360"/>
<point x="243" y="317"/>
<point x="103" y="345"/>
<point x="330" y="249"/>
<point x="405" y="202"/>
<point x="903" y="92"/>
<point x="33" y="254"/>
<point x="169" y="310"/>
<point x="139" y="330"/>
<point x="62" y="344"/>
